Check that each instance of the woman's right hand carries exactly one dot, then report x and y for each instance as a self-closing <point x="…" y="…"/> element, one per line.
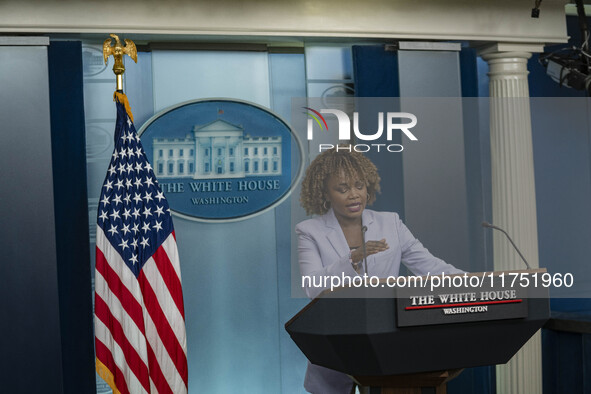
<point x="371" y="247"/>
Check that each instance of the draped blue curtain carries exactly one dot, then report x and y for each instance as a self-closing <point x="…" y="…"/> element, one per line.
<point x="376" y="75"/>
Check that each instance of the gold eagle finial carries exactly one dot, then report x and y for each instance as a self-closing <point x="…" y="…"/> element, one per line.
<point x="118" y="50"/>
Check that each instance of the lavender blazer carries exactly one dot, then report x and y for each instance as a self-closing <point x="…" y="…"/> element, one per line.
<point x="323" y="250"/>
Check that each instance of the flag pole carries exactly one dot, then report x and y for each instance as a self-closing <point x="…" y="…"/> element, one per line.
<point x="117" y="51"/>
<point x="140" y="336"/>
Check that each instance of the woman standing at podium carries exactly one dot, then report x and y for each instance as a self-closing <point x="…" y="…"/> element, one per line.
<point x="337" y="187"/>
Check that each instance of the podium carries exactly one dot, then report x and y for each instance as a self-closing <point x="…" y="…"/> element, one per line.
<point x="402" y="339"/>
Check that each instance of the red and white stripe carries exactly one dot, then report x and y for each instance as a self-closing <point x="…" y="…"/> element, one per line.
<point x="139" y="323"/>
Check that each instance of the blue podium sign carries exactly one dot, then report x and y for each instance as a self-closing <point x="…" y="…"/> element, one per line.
<point x="222" y="160"/>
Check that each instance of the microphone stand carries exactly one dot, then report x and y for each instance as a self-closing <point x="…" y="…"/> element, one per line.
<point x="487" y="224"/>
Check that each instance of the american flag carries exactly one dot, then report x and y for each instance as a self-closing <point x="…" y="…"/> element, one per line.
<point x="140" y="338"/>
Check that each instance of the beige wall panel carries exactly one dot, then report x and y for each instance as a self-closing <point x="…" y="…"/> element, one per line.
<point x="480" y="20"/>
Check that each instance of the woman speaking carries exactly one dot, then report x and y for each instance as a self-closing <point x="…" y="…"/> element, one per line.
<point x="337" y="187"/>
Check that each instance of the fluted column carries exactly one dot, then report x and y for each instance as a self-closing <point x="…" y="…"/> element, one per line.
<point x="513" y="196"/>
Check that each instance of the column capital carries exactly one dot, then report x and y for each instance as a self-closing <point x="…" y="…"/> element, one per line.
<point x="498" y="57"/>
<point x="508" y="61"/>
<point x="509" y="47"/>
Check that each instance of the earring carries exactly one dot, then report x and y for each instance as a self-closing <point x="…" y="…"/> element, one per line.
<point x="324" y="205"/>
<point x="367" y="196"/>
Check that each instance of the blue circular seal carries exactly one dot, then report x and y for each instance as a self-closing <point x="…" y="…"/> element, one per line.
<point x="222" y="160"/>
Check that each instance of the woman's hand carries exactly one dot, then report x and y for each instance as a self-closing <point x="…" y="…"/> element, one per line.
<point x="371" y="247"/>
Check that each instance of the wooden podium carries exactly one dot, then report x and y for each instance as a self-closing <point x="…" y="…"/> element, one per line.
<point x="416" y="383"/>
<point x="412" y="340"/>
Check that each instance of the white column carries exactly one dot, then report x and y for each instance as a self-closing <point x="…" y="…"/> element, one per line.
<point x="513" y="192"/>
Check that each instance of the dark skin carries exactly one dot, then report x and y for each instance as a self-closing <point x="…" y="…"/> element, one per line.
<point x="348" y="198"/>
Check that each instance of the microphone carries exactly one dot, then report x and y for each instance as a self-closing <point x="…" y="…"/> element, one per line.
<point x="487" y="224"/>
<point x="363" y="230"/>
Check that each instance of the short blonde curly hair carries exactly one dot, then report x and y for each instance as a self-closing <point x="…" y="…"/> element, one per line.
<point x="332" y="162"/>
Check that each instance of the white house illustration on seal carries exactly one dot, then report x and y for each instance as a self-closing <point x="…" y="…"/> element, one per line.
<point x="218" y="149"/>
